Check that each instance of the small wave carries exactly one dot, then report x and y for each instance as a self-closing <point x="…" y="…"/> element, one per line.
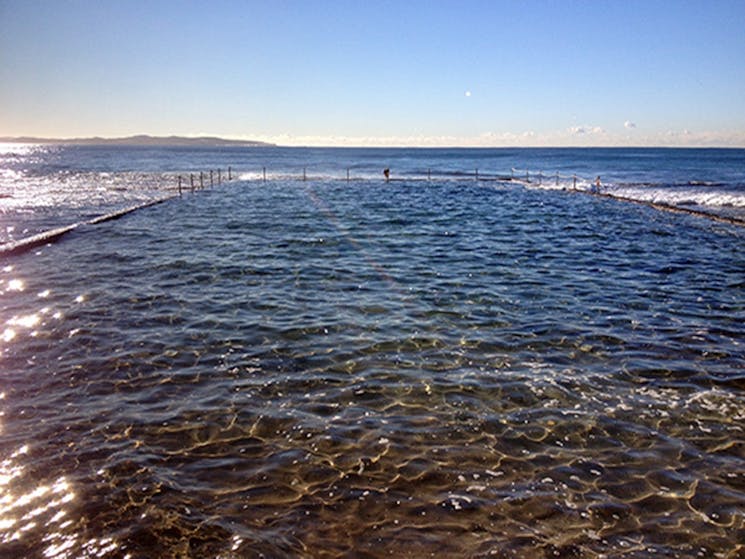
<point x="704" y="183"/>
<point x="683" y="196"/>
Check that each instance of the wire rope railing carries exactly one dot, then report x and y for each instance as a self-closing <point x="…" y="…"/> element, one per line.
<point x="387" y="174"/>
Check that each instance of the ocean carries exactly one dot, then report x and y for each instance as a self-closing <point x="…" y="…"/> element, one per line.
<point x="476" y="358"/>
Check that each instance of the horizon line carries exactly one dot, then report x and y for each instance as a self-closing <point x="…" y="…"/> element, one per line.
<point x="177" y="140"/>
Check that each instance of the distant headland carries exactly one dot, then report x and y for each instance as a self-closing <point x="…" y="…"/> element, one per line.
<point x="140" y="140"/>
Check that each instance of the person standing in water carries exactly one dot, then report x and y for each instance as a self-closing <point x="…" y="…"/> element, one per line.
<point x="387" y="174"/>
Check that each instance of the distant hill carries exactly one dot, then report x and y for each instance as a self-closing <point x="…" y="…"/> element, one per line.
<point x="140" y="140"/>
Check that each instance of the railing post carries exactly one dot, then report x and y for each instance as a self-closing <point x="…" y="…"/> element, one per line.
<point x="264" y="173"/>
<point x="212" y="182"/>
<point x="477" y="173"/>
<point x="219" y="176"/>
<point x="574" y="183"/>
<point x="230" y="170"/>
<point x="557" y="178"/>
<point x="179" y="185"/>
<point x="305" y="178"/>
<point x="527" y="176"/>
<point x="191" y="179"/>
<point x="201" y="179"/>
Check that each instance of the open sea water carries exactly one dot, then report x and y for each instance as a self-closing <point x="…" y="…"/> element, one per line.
<point x="435" y="366"/>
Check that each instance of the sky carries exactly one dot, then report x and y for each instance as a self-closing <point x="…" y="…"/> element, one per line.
<point x="361" y="72"/>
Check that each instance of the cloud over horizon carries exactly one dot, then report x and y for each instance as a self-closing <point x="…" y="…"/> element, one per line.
<point x="582" y="130"/>
<point x="573" y="136"/>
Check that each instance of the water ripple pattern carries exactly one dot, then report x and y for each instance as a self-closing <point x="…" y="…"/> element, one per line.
<point x="323" y="369"/>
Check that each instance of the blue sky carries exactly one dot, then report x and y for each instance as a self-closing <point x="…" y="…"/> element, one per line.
<point x="434" y="72"/>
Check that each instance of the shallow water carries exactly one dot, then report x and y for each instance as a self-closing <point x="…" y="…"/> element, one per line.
<point x="323" y="369"/>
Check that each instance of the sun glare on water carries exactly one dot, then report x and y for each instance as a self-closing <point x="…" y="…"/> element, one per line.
<point x="16" y="285"/>
<point x="26" y="505"/>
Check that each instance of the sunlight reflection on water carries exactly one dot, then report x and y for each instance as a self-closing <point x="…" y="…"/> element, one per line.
<point x="25" y="508"/>
<point x="42" y="509"/>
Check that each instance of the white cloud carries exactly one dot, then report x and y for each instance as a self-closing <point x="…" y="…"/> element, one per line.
<point x="629" y="125"/>
<point x="582" y="130"/>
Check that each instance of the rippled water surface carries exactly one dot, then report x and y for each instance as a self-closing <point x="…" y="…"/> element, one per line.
<point x="331" y="369"/>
